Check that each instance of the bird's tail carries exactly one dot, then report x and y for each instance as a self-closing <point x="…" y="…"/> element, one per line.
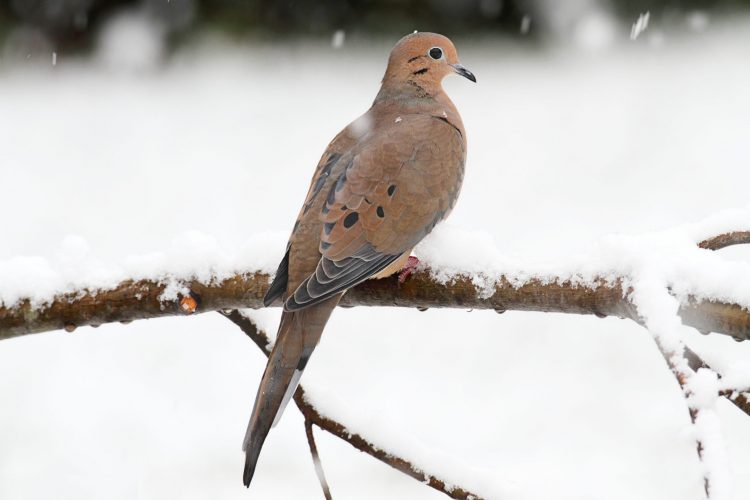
<point x="299" y="333"/>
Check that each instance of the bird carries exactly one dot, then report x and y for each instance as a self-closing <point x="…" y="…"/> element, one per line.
<point x="381" y="186"/>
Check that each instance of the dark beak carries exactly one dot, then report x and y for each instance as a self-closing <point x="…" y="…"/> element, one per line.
<point x="459" y="69"/>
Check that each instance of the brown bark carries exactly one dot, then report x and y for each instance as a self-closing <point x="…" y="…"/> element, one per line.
<point x="724" y="240"/>
<point x="141" y="300"/>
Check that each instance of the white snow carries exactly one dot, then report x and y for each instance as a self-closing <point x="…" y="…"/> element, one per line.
<point x="191" y="255"/>
<point x="337" y="40"/>
<point x="670" y="256"/>
<point x="659" y="312"/>
<point x="578" y="166"/>
<point x="639" y="26"/>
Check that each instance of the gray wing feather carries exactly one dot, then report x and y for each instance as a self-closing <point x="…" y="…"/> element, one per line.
<point x="332" y="277"/>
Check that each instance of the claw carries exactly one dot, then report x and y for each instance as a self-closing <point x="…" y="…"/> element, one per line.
<point x="408" y="270"/>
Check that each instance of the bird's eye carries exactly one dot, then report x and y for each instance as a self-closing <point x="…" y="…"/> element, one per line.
<point x="436" y="53"/>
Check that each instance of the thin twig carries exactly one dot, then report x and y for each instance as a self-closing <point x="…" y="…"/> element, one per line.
<point x="738" y="397"/>
<point x="339" y="430"/>
<point x="681" y="377"/>
<point x="316" y="459"/>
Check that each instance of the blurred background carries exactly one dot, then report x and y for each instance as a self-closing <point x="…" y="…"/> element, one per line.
<point x="129" y="128"/>
<point x="33" y="29"/>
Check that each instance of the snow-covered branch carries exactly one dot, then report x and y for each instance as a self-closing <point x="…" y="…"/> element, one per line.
<point x="462" y="269"/>
<point x="143" y="299"/>
<point x="656" y="310"/>
<point x="739" y="396"/>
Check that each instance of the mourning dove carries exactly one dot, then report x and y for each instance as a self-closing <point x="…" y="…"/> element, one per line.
<point x="382" y="185"/>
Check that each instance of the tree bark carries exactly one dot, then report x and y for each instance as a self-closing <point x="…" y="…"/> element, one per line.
<point x="133" y="300"/>
<point x="724" y="240"/>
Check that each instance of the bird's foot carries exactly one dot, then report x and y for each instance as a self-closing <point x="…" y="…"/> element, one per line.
<point x="408" y="270"/>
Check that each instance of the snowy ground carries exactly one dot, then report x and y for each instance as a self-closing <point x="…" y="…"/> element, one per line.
<point x="565" y="146"/>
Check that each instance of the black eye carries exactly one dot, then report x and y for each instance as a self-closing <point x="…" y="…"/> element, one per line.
<point x="436" y="52"/>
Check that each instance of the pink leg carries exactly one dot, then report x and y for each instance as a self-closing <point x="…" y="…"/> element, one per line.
<point x="408" y="270"/>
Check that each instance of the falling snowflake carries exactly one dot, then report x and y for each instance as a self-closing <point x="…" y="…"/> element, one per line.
<point x="639" y="26"/>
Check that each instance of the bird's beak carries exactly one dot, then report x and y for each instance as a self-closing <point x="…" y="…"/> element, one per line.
<point x="459" y="69"/>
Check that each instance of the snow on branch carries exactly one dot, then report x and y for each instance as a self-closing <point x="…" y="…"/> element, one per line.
<point x="656" y="309"/>
<point x="730" y="389"/>
<point x="461" y="270"/>
<point x="710" y="294"/>
<point x="143" y="299"/>
<point x="658" y="312"/>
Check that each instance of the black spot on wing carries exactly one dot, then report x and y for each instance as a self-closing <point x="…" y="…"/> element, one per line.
<point x="351" y="219"/>
<point x="391" y="189"/>
<point x="380" y="212"/>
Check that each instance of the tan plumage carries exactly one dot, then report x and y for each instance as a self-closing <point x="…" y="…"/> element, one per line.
<point x="382" y="185"/>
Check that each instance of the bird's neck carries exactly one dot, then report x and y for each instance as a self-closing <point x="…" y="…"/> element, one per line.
<point x="414" y="87"/>
<point x="409" y="99"/>
<point x="421" y="95"/>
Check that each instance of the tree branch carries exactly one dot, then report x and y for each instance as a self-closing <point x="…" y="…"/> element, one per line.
<point x="739" y="399"/>
<point x="681" y="378"/>
<point x="725" y="240"/>
<point x="736" y="397"/>
<point x="338" y="429"/>
<point x="144" y="299"/>
<point x="316" y="460"/>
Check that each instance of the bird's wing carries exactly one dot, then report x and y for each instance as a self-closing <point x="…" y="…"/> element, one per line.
<point x="393" y="190"/>
<point x="302" y="233"/>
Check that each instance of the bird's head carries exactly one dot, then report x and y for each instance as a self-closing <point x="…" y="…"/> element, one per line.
<point x="424" y="59"/>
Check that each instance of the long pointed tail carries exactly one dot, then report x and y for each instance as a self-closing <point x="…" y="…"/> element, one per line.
<point x="299" y="333"/>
